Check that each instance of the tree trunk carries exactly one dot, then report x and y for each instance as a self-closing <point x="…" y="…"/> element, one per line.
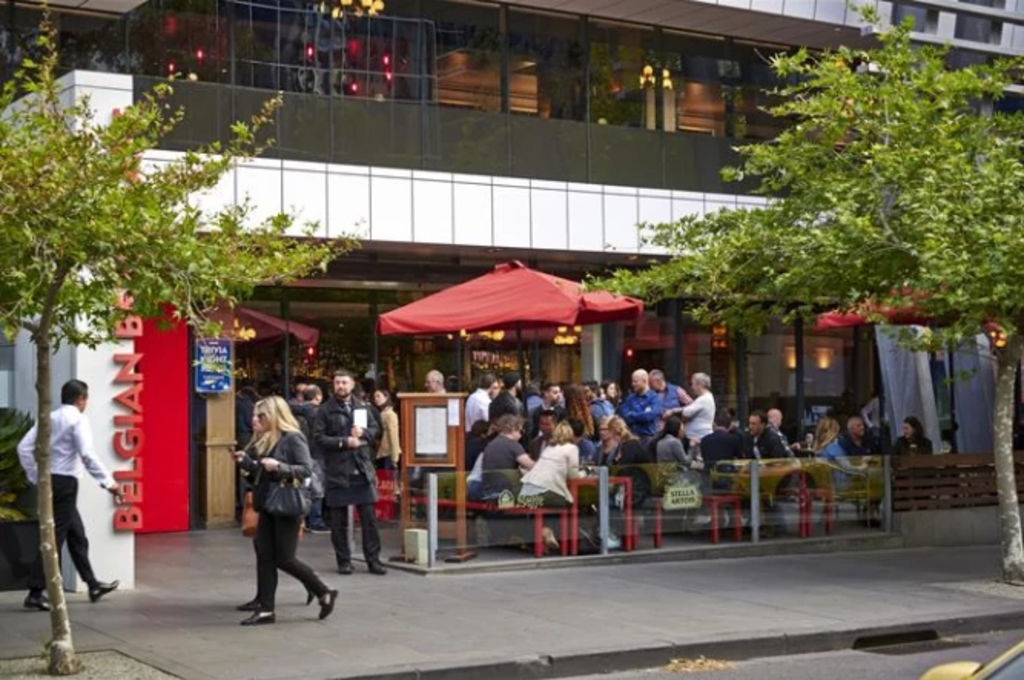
<point x="61" y="650"/>
<point x="1006" y="482"/>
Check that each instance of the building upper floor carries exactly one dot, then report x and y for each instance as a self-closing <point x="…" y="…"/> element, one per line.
<point x="494" y="89"/>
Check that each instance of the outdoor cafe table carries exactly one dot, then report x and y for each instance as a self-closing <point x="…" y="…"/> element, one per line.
<point x="628" y="536"/>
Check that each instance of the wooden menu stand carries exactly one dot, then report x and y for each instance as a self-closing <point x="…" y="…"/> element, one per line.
<point x="434" y="436"/>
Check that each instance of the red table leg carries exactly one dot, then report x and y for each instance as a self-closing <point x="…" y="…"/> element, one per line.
<point x="538" y="530"/>
<point x="563" y="527"/>
<point x="737" y="519"/>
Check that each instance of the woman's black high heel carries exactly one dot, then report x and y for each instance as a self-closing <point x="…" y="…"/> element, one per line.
<point x="259" y="619"/>
<point x="309" y="597"/>
<point x="327" y="603"/>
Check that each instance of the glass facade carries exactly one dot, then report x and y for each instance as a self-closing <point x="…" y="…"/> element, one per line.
<point x="436" y="84"/>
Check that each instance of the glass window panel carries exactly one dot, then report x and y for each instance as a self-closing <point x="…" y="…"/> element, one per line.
<point x="546" y="59"/>
<point x="463" y="140"/>
<point x="833" y="372"/>
<point x="628" y="156"/>
<point x="468" y="54"/>
<point x="256" y="45"/>
<point x="771" y="374"/>
<point x="548" y="149"/>
<point x="618" y="57"/>
<point x="699" y="68"/>
<point x="368" y="132"/>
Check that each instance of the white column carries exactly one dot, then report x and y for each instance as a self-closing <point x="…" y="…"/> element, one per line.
<point x="590" y="353"/>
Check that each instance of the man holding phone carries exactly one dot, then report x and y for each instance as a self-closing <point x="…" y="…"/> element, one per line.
<point x="71" y="449"/>
<point x="344" y="430"/>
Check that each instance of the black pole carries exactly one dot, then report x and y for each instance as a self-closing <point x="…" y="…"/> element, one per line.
<point x="742" y="407"/>
<point x="519" y="354"/>
<point x="951" y="355"/>
<point x="535" y="357"/>
<point x="676" y="364"/>
<point x="458" y="361"/>
<point x="286" y="370"/>
<point x="798" y="338"/>
<point x="375" y="339"/>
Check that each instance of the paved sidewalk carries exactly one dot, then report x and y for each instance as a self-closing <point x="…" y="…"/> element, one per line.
<point x="181" y="618"/>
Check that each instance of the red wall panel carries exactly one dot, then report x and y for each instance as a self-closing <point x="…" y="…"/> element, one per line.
<point x="165" y="403"/>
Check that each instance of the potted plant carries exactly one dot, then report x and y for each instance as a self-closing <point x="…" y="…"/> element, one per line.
<point x="19" y="532"/>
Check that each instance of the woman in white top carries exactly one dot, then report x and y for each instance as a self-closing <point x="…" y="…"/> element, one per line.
<point x="547" y="483"/>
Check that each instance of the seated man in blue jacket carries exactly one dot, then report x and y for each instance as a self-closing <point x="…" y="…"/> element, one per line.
<point x="642" y="408"/>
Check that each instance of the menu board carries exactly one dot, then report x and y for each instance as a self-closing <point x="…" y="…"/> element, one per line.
<point x="431" y="432"/>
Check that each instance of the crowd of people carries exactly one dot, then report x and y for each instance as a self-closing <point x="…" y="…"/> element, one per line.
<point x="524" y="446"/>
<point x="311" y="458"/>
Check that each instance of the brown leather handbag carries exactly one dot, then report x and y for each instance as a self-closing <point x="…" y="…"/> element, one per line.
<point x="250" y="518"/>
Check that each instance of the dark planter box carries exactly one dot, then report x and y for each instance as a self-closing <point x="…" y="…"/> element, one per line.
<point x="19" y="545"/>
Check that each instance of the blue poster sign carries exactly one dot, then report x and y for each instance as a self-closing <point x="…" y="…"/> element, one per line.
<point x="213" y="366"/>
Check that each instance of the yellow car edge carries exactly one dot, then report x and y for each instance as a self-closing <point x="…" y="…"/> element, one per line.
<point x="972" y="670"/>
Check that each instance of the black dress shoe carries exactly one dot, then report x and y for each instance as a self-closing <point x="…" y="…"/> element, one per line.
<point x="101" y="589"/>
<point x="252" y="605"/>
<point x="37" y="602"/>
<point x="345" y="568"/>
<point x="259" y="619"/>
<point x="377" y="568"/>
<point x="327" y="603"/>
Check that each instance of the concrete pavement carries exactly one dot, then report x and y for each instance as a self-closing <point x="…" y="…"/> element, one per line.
<point x="526" y="624"/>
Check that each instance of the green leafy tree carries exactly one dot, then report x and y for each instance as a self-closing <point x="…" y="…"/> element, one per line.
<point x="84" y="225"/>
<point x="895" y="186"/>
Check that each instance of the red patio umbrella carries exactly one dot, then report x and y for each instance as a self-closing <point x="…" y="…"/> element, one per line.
<point x="510" y="296"/>
<point x="269" y="327"/>
<point x="907" y="315"/>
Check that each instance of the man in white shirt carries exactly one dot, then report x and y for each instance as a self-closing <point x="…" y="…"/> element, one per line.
<point x="478" y="403"/>
<point x="70" y="449"/>
<point x="700" y="412"/>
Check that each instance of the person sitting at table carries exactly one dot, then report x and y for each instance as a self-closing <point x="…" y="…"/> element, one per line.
<point x="668" y="448"/>
<point x="546" y="483"/>
<point x="477" y="439"/>
<point x="912" y="441"/>
<point x="835" y="454"/>
<point x="587" y="447"/>
<point x="629" y="458"/>
<point x="502" y="457"/>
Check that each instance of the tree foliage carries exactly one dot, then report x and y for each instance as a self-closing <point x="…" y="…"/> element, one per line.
<point x="83" y="217"/>
<point x="894" y="188"/>
<point x="891" y="188"/>
<point x="93" y="231"/>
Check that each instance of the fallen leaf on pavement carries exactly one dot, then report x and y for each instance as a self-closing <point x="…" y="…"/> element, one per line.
<point x="697" y="665"/>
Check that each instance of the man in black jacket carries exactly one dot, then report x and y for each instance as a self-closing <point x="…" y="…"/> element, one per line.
<point x="344" y="430"/>
<point x="763" y="443"/>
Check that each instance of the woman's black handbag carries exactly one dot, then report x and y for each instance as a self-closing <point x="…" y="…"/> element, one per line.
<point x="288" y="498"/>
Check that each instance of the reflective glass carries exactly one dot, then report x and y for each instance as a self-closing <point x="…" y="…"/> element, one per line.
<point x="546" y="65"/>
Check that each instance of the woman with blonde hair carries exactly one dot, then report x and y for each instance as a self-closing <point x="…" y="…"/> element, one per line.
<point x="829" y="447"/>
<point x="278" y="456"/>
<point x="547" y="482"/>
<point x="826" y="432"/>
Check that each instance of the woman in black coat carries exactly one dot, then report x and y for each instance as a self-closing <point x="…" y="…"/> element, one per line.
<point x="279" y="453"/>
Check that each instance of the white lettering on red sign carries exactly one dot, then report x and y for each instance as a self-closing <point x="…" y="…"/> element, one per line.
<point x="129" y="436"/>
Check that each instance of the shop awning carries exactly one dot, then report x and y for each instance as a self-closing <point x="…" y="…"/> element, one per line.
<point x="268" y="327"/>
<point x="510" y="296"/>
